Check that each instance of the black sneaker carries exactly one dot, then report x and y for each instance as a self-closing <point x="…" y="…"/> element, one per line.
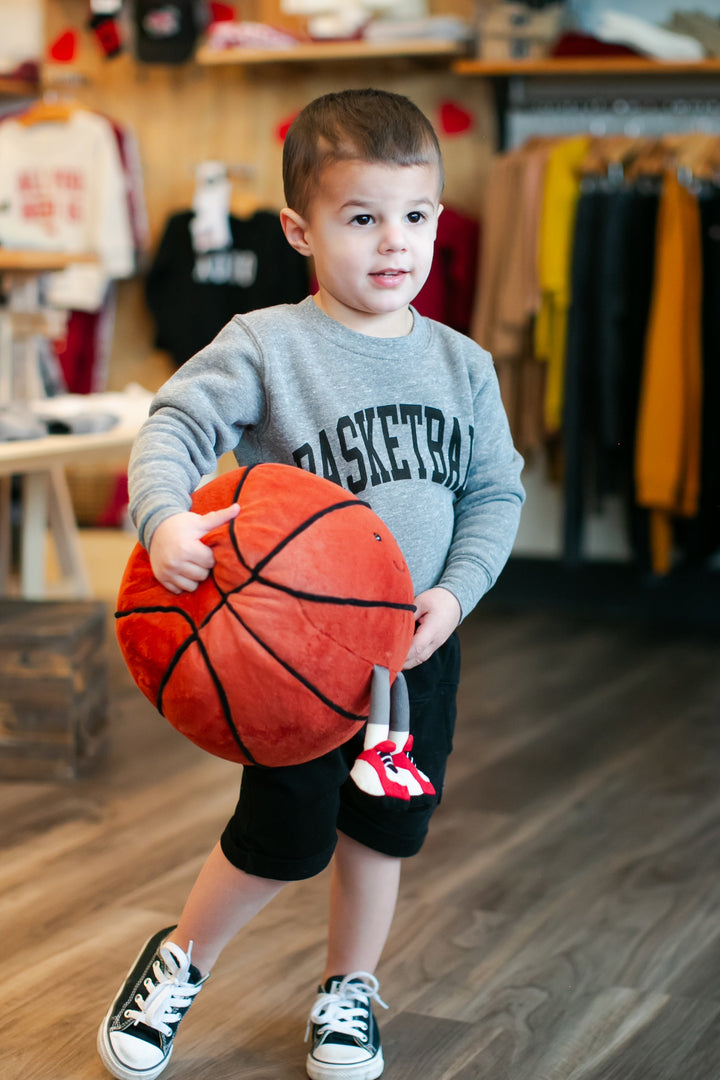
<point x="135" y="1039"/>
<point x="345" y="1036"/>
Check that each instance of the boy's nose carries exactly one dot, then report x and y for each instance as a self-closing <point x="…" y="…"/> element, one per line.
<point x="392" y="239"/>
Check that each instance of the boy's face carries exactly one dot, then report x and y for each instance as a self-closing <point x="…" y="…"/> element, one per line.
<point x="370" y="229"/>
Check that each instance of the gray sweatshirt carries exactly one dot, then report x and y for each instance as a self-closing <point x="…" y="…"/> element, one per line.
<point x="412" y="425"/>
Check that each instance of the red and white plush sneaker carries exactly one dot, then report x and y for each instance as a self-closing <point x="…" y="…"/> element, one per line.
<point x="416" y="781"/>
<point x="375" y="771"/>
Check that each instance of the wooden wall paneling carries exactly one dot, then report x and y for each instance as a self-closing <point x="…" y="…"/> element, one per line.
<point x="185" y="114"/>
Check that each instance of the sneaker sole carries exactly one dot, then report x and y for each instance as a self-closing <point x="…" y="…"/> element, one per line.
<point x="115" y="1067"/>
<point x="363" y="1070"/>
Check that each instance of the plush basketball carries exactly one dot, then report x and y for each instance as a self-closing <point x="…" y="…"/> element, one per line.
<point x="269" y="661"/>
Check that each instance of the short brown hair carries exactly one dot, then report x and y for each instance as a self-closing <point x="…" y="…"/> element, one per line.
<point x="365" y="125"/>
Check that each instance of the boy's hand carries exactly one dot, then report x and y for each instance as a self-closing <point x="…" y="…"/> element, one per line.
<point x="178" y="557"/>
<point x="438" y="614"/>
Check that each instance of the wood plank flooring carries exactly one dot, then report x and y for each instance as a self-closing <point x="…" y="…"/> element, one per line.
<point x="562" y="922"/>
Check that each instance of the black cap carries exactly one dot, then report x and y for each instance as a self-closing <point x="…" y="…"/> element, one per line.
<point x="166" y="31"/>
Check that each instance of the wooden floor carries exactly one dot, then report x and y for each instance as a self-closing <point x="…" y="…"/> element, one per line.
<point x="562" y="922"/>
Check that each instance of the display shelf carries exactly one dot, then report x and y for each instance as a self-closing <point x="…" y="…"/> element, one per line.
<point x="585" y="65"/>
<point x="331" y="51"/>
<point x="29" y="261"/>
<point x="18" y="88"/>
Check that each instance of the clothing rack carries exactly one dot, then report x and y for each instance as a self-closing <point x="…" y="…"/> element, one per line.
<point x="604" y="362"/>
<point x="567" y="106"/>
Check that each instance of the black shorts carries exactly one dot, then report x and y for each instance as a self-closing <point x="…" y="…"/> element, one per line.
<point x="286" y="821"/>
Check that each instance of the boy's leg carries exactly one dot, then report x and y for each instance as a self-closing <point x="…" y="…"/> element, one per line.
<point x="135" y="1040"/>
<point x="374" y="835"/>
<point x="363" y="894"/>
<point x="222" y="901"/>
<point x="283" y="829"/>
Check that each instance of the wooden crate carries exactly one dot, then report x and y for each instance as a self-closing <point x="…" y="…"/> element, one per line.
<point x="53" y="688"/>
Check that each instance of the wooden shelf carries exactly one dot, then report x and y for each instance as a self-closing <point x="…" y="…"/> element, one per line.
<point x="39" y="262"/>
<point x="329" y="51"/>
<point x="19" y="88"/>
<point x="586" y="65"/>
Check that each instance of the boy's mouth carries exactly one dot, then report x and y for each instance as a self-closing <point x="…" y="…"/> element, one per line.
<point x="389" y="277"/>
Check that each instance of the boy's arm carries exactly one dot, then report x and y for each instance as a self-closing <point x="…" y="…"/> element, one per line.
<point x="487" y="510"/>
<point x="198" y="415"/>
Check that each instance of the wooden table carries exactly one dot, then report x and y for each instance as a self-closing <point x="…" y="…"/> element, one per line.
<point x="46" y="503"/>
<point x="40" y="463"/>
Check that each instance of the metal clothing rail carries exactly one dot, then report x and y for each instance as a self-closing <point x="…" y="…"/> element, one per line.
<point x="565" y="105"/>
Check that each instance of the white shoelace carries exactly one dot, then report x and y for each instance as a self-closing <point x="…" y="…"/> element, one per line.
<point x="169" y="991"/>
<point x="338" y="1011"/>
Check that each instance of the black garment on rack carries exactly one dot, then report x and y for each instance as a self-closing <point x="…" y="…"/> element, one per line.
<point x="611" y="290"/>
<point x="700" y="537"/>
<point x="192" y="295"/>
<point x="579" y="416"/>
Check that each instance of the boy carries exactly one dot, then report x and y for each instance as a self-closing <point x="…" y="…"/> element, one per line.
<point x="351" y="383"/>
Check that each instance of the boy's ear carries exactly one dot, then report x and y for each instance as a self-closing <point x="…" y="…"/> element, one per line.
<point x="295" y="228"/>
<point x="437" y="217"/>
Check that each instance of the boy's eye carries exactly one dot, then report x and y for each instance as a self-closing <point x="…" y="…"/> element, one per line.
<point x="415" y="216"/>
<point x="363" y="219"/>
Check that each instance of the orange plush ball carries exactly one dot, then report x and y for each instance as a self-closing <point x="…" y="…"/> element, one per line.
<point x="269" y="661"/>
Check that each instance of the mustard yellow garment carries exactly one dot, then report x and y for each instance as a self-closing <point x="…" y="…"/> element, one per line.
<point x="668" y="444"/>
<point x="555" y="241"/>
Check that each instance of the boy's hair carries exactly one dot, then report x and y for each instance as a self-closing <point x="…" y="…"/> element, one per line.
<point x="365" y="125"/>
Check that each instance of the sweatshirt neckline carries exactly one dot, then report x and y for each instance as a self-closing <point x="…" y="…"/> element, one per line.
<point x="366" y="344"/>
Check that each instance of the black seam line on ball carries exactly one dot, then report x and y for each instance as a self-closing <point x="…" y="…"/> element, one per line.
<point x="345" y="713"/>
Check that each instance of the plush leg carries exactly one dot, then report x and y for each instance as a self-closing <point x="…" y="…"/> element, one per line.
<point x="222" y="900"/>
<point x="374" y="771"/>
<point x="363" y="893"/>
<point x="399" y="712"/>
<point x="376" y="729"/>
<point x="399" y="735"/>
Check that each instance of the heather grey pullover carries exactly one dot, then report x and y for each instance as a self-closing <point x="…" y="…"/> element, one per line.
<point x="413" y="425"/>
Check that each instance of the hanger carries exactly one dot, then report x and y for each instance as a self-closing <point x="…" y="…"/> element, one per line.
<point x="610" y="155"/>
<point x="243" y="202"/>
<point x="56" y="106"/>
<point x="539" y="142"/>
<point x="695" y="153"/>
<point x="652" y="160"/>
<point x="713" y="161"/>
<point x="49" y="110"/>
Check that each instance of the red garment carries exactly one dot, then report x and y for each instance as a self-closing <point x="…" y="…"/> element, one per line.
<point x="84" y="353"/>
<point x="77" y="352"/>
<point x="448" y="295"/>
<point x="575" y="44"/>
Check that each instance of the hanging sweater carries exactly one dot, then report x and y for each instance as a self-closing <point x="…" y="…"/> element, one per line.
<point x="668" y="447"/>
<point x="191" y="295"/>
<point x="557" y="230"/>
<point x="62" y="188"/>
<point x="413" y="425"/>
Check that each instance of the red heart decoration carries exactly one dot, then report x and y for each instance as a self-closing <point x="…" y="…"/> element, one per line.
<point x="454" y="118"/>
<point x="64" y="47"/>
<point x="221" y="12"/>
<point x="283" y="127"/>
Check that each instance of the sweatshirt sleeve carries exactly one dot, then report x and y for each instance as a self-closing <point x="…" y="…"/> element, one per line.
<point x="197" y="416"/>
<point x="487" y="509"/>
